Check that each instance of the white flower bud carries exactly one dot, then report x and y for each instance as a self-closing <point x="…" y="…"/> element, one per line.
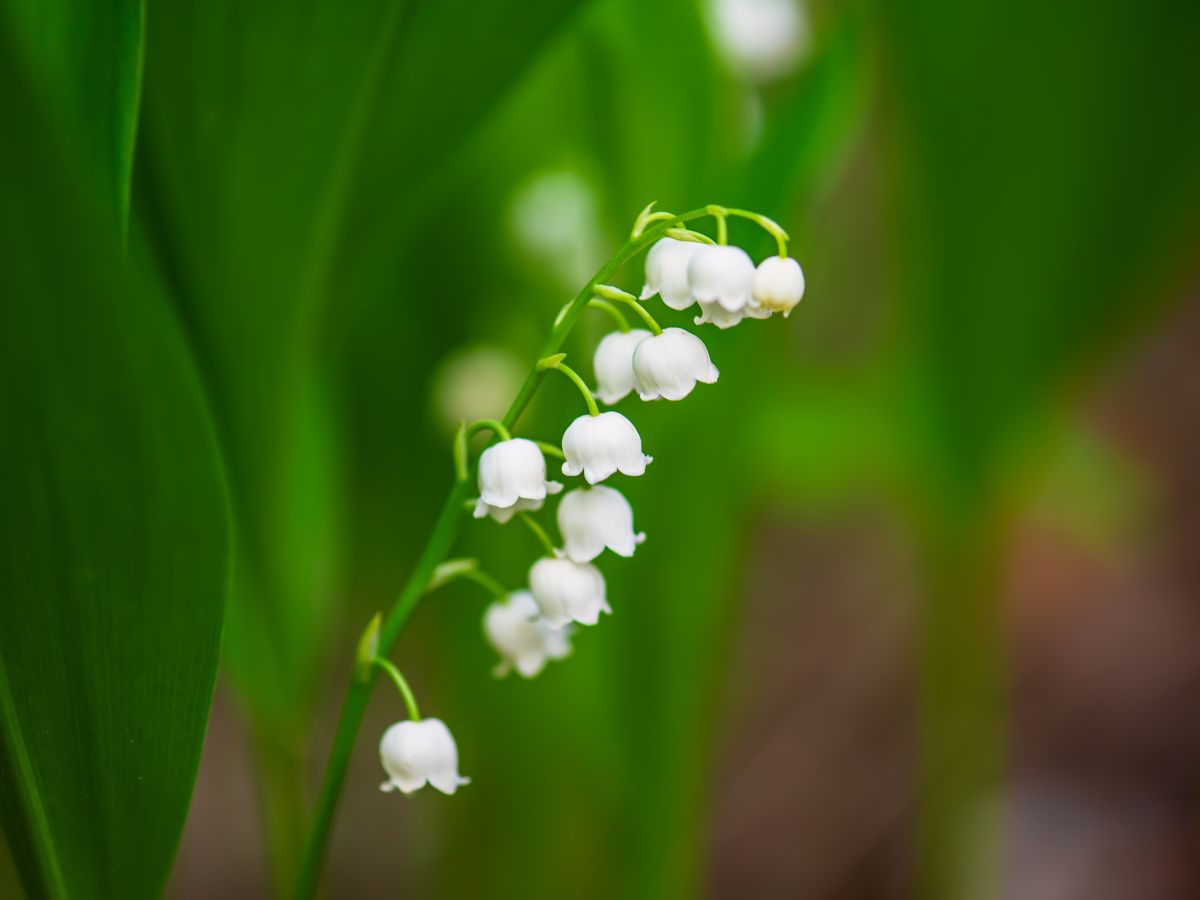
<point x="414" y="753"/>
<point x="567" y="591"/>
<point x="524" y="640"/>
<point x="721" y="274"/>
<point x="591" y="519"/>
<point x="778" y="284"/>
<point x="512" y="478"/>
<point x="613" y="364"/>
<point x="599" y="445"/>
<point x="667" y="272"/>
<point x="668" y="365"/>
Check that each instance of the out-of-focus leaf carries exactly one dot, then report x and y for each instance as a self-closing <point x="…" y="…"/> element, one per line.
<point x="282" y="141"/>
<point x="87" y="59"/>
<point x="1046" y="167"/>
<point x="113" y="539"/>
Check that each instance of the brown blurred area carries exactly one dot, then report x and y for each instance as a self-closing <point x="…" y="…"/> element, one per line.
<point x="815" y="793"/>
<point x="816" y="796"/>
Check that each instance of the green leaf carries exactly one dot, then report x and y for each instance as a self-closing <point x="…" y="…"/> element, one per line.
<point x="87" y="60"/>
<point x="1047" y="191"/>
<point x="281" y="142"/>
<point x="113" y="540"/>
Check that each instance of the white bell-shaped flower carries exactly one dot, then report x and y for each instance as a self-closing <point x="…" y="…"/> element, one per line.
<point x="591" y="519"/>
<point x="523" y="638"/>
<point x="567" y="591"/>
<point x="599" y="445"/>
<point x="512" y="478"/>
<point x="669" y="365"/>
<point x="667" y="272"/>
<point x="416" y="752"/>
<point x="722" y="275"/>
<point x="613" y="364"/>
<point x="778" y="284"/>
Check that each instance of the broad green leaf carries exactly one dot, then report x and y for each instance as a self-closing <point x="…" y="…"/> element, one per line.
<point x="87" y="61"/>
<point x="1045" y="176"/>
<point x="284" y="146"/>
<point x="113" y="540"/>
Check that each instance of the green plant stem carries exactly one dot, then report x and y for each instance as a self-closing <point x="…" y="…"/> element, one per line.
<point x="410" y="701"/>
<point x="620" y="296"/>
<point x="465" y="434"/>
<point x="551" y="450"/>
<point x="445" y="530"/>
<point x="539" y="532"/>
<point x="617" y="316"/>
<point x="556" y="363"/>
<point x="487" y="582"/>
<point x="768" y="225"/>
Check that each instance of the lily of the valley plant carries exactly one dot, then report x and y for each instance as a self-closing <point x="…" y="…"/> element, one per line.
<point x="533" y="625"/>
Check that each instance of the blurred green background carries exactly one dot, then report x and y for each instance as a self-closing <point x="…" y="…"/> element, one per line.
<point x="916" y="615"/>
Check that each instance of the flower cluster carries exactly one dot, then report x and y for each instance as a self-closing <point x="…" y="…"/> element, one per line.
<point x="534" y="625"/>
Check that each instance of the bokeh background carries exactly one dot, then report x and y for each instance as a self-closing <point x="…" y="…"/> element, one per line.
<point x="917" y="614"/>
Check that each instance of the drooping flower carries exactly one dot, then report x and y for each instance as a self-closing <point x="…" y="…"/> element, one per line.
<point x="599" y="445"/>
<point x="722" y="275"/>
<point x="613" y="364"/>
<point x="669" y="365"/>
<point x="778" y="284"/>
<point x="416" y="752"/>
<point x="667" y="272"/>
<point x="567" y="591"/>
<point x="523" y="638"/>
<point x="591" y="519"/>
<point x="512" y="479"/>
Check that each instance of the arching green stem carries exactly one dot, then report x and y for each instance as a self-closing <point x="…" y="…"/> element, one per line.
<point x="410" y="701"/>
<point x="612" y="293"/>
<point x="617" y="316"/>
<point x="686" y="234"/>
<point x="539" y="531"/>
<point x="468" y="570"/>
<point x="556" y="363"/>
<point x="551" y="450"/>
<point x="770" y="226"/>
<point x="464" y="435"/>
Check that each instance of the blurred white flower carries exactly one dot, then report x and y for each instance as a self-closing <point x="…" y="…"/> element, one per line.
<point x="414" y="753"/>
<point x="475" y="383"/>
<point x="667" y="272"/>
<point x="613" y="364"/>
<point x="759" y="40"/>
<point x="670" y="364"/>
<point x="722" y="275"/>
<point x="524" y="640"/>
<point x="591" y="519"/>
<point x="567" y="591"/>
<point x="600" y="445"/>
<point x="778" y="284"/>
<point x="556" y="223"/>
<point x="512" y="479"/>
